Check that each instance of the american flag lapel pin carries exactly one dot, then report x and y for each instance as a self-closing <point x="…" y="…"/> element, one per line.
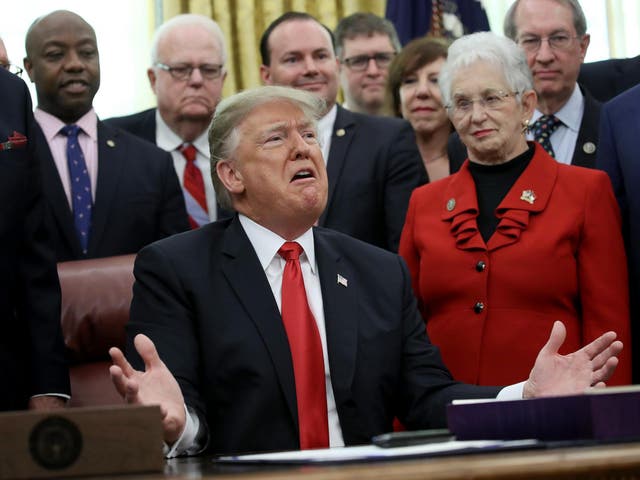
<point x="342" y="281"/>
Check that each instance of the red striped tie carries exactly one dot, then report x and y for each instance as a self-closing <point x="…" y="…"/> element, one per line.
<point x="193" y="184"/>
<point x="306" y="352"/>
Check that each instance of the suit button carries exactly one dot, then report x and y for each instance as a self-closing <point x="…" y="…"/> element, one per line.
<point x="480" y="266"/>
<point x="478" y="307"/>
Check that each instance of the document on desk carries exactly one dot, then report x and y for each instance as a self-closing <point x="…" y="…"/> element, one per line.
<point x="373" y="452"/>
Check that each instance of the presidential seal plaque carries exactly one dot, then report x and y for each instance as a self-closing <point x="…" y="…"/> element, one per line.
<point x="55" y="443"/>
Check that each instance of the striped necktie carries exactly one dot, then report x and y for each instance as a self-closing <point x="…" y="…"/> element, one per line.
<point x="193" y="188"/>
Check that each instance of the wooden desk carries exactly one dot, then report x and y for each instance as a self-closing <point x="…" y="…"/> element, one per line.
<point x="615" y="461"/>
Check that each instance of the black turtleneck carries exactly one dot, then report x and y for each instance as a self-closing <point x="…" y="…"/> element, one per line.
<point x="493" y="182"/>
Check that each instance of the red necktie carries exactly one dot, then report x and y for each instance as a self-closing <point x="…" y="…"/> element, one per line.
<point x="306" y="352"/>
<point x="193" y="185"/>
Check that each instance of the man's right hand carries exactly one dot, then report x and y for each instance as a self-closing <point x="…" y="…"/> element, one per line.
<point x="155" y="386"/>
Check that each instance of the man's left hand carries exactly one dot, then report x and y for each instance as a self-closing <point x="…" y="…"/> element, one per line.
<point x="591" y="366"/>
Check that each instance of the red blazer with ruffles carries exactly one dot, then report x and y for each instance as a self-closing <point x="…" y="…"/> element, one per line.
<point x="557" y="254"/>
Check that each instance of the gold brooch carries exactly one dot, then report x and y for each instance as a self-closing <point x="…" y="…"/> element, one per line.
<point x="528" y="196"/>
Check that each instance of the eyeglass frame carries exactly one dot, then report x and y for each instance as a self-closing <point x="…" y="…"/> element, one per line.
<point x="502" y="95"/>
<point x="189" y="70"/>
<point x="376" y="57"/>
<point x="549" y="39"/>
<point x="12" y="68"/>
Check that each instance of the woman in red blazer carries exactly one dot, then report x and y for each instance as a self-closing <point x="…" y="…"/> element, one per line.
<point x="514" y="240"/>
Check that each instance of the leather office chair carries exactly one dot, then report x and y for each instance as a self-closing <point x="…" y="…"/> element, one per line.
<point x="96" y="295"/>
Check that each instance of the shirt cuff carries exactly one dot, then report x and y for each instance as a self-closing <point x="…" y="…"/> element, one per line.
<point x="187" y="439"/>
<point x="512" y="392"/>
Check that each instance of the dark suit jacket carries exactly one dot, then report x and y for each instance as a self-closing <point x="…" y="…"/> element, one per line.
<point x="205" y="301"/>
<point x="583" y="155"/>
<point x="373" y="167"/>
<point x="31" y="346"/>
<point x="618" y="156"/>
<point x="138" y="198"/>
<point x="608" y="78"/>
<point x="141" y="124"/>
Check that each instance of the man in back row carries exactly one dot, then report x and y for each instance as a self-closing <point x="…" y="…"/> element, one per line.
<point x="373" y="163"/>
<point x="108" y="192"/>
<point x="278" y="335"/>
<point x="187" y="73"/>
<point x="365" y="47"/>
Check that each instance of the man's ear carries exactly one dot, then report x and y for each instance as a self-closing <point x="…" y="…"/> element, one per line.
<point x="151" y="75"/>
<point x="230" y="177"/>
<point x="28" y="66"/>
<point x="265" y="75"/>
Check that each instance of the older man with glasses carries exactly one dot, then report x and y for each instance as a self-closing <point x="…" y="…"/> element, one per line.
<point x="186" y="74"/>
<point x="365" y="46"/>
<point x="553" y="35"/>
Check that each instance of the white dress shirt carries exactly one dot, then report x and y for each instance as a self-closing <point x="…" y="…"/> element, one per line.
<point x="564" y="139"/>
<point x="169" y="141"/>
<point x="325" y="130"/>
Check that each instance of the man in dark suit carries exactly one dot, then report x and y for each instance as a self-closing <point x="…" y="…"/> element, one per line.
<point x="373" y="163"/>
<point x="617" y="155"/>
<point x="187" y="74"/>
<point x="607" y="78"/>
<point x="553" y="34"/>
<point x="216" y="302"/>
<point x="133" y="195"/>
<point x="34" y="371"/>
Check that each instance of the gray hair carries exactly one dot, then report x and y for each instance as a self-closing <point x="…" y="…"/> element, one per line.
<point x="224" y="134"/>
<point x="188" y="19"/>
<point x="487" y="47"/>
<point x="579" y="21"/>
<point x="364" y="24"/>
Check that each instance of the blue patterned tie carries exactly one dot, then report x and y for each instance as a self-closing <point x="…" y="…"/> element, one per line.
<point x="543" y="128"/>
<point x="81" y="200"/>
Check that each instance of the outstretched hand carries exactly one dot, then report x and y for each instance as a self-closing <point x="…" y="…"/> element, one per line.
<point x="155" y="386"/>
<point x="555" y="374"/>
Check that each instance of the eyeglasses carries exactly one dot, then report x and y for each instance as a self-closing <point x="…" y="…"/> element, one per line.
<point x="559" y="41"/>
<point x="360" y="63"/>
<point x="489" y="100"/>
<point x="15" y="69"/>
<point x="209" y="71"/>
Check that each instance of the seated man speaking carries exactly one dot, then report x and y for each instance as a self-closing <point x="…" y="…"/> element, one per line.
<point x="278" y="335"/>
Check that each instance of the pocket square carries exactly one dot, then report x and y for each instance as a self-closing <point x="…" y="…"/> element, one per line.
<point x="15" y="140"/>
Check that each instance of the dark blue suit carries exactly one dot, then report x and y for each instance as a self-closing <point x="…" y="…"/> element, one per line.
<point x="31" y="347"/>
<point x="205" y="301"/>
<point x="373" y="167"/>
<point x="607" y="78"/>
<point x="618" y="156"/>
<point x="138" y="198"/>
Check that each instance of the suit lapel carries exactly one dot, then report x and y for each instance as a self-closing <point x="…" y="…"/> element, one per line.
<point x="112" y="157"/>
<point x="343" y="132"/>
<point x="246" y="277"/>
<point x="584" y="154"/>
<point x="54" y="192"/>
<point x="339" y="287"/>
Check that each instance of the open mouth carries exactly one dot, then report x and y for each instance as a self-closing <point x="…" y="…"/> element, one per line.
<point x="302" y="175"/>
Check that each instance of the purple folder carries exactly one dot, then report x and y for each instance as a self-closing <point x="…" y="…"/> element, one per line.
<point x="611" y="415"/>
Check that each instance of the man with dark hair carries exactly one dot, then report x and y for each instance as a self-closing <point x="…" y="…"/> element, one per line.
<point x="365" y="47"/>
<point x="108" y="192"/>
<point x="372" y="162"/>
<point x="553" y="35"/>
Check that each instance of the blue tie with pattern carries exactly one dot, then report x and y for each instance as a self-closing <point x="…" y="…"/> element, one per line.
<point x="543" y="128"/>
<point x="81" y="200"/>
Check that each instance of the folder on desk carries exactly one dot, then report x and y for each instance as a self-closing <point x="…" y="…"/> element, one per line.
<point x="611" y="414"/>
